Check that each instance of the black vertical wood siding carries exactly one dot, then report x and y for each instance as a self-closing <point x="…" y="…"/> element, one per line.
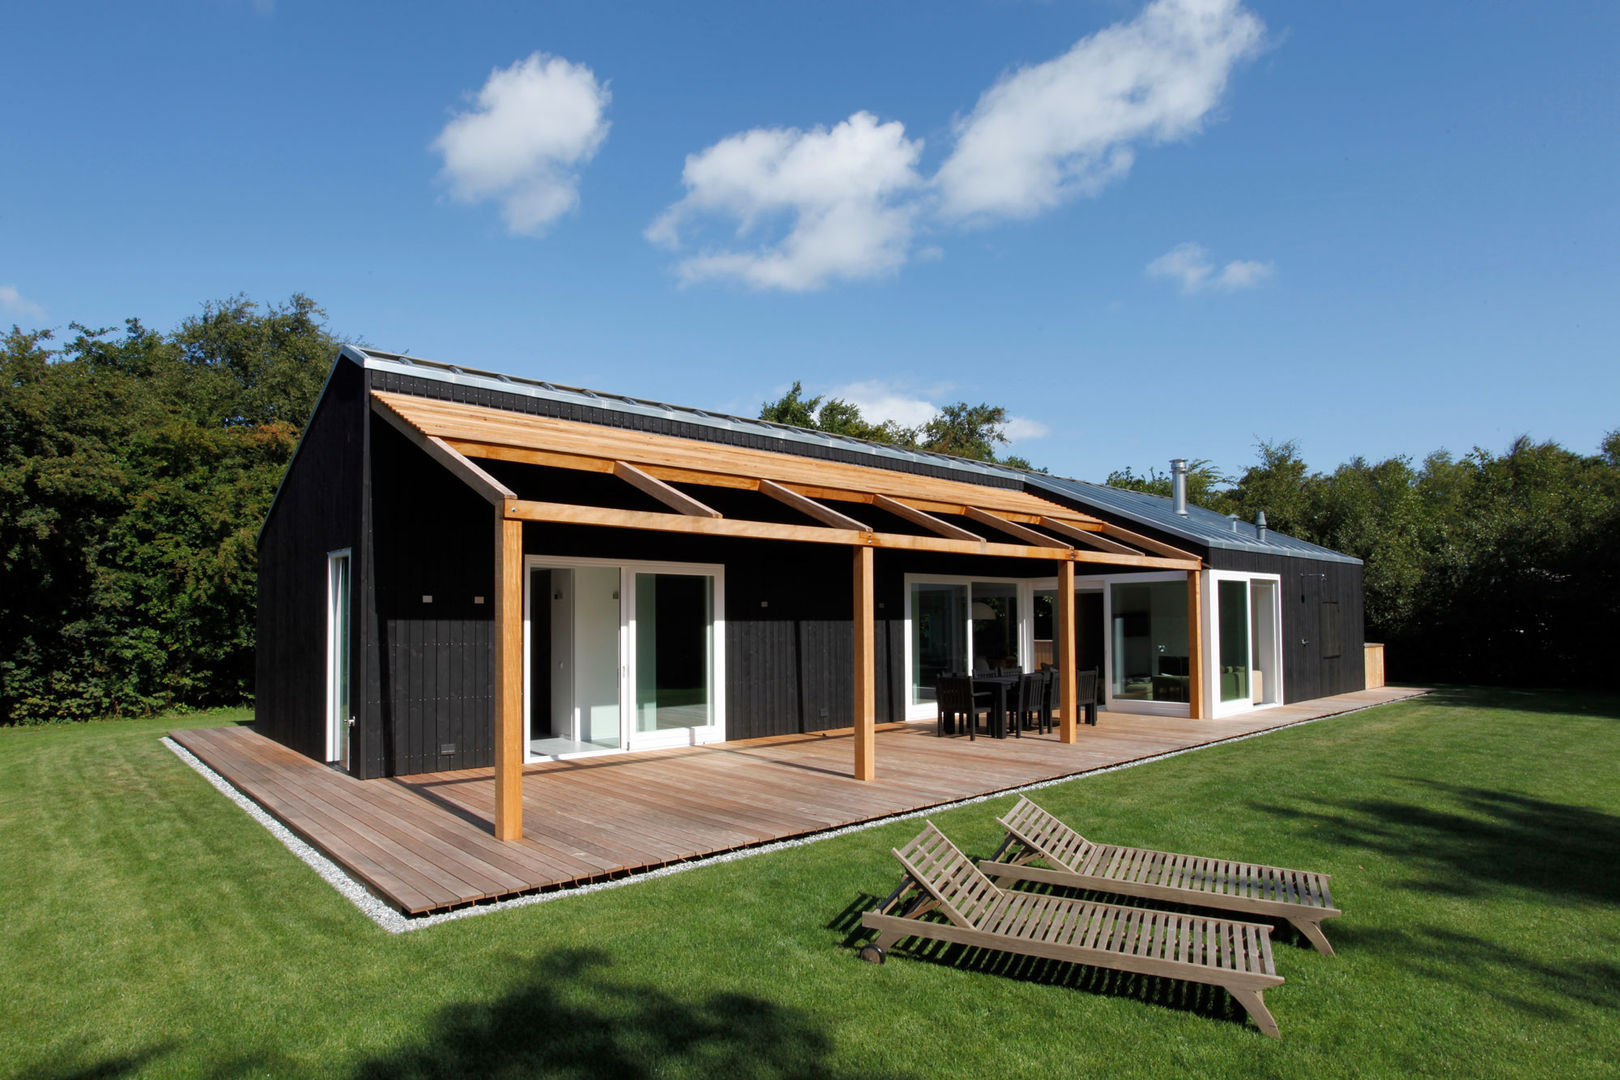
<point x="1322" y="621"/>
<point x="317" y="512"/>
<point x="428" y="663"/>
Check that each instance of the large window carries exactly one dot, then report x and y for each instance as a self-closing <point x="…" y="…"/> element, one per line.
<point x="674" y="651"/>
<point x="1149" y="641"/>
<point x="939" y="634"/>
<point x="995" y="625"/>
<point x="962" y="627"/>
<point x="1232" y="608"/>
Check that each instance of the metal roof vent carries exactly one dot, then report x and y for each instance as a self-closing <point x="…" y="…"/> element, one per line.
<point x="1260" y="526"/>
<point x="1178" y="484"/>
<point x="1234" y="519"/>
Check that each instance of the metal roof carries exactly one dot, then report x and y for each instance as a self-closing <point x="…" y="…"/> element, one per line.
<point x="512" y="384"/>
<point x="1200" y="525"/>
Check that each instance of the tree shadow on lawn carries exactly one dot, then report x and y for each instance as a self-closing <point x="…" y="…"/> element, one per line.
<point x="1467" y="963"/>
<point x="122" y="1065"/>
<point x="1208" y="1001"/>
<point x="570" y="1017"/>
<point x="1553" y="701"/>
<point x="1488" y="841"/>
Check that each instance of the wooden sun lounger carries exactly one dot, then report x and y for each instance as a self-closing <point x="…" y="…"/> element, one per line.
<point x="1299" y="896"/>
<point x="1219" y="952"/>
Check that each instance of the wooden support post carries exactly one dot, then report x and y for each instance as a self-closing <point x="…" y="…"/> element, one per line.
<point x="1063" y="655"/>
<point x="1195" y="644"/>
<point x="508" y="678"/>
<point x="865" y="667"/>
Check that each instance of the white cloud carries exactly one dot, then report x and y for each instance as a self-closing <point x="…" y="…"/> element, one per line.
<point x="880" y="401"/>
<point x="1021" y="429"/>
<point x="843" y="193"/>
<point x="1190" y="266"/>
<point x="534" y="125"/>
<point x="1068" y="127"/>
<point x="18" y="304"/>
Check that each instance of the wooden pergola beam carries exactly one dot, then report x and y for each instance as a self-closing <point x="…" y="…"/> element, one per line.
<point x="865" y="667"/>
<point x="508" y="677"/>
<point x="572" y="514"/>
<point x="923" y="519"/>
<point x="1087" y="536"/>
<point x="557" y="459"/>
<point x="1147" y="543"/>
<point x="1012" y="528"/>
<point x="470" y="474"/>
<point x="809" y="507"/>
<point x="675" y="499"/>
<point x="458" y="422"/>
<point x="1068" y="692"/>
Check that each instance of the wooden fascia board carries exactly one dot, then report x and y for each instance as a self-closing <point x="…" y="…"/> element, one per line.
<point x="808" y="506"/>
<point x="468" y="473"/>
<point x="676" y="500"/>
<point x="1012" y="528"/>
<point x="924" y="519"/>
<point x="1148" y="543"/>
<point x="461" y="424"/>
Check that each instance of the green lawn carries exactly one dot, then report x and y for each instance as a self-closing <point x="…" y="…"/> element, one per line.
<point x="151" y="928"/>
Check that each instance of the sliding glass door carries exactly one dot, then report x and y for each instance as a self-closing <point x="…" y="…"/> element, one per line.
<point x="939" y="635"/>
<point x="962" y="626"/>
<point x="674" y="670"/>
<point x="621" y="656"/>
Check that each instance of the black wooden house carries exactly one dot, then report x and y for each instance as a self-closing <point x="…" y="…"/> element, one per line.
<point x="463" y="569"/>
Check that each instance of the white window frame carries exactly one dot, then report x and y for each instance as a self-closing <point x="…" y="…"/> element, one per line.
<point x="1105" y="680"/>
<point x="926" y="710"/>
<point x="1214" y="706"/>
<point x="629" y="740"/>
<point x="1027" y="588"/>
<point x="335" y="753"/>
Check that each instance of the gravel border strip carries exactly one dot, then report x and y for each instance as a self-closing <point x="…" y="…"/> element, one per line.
<point x="395" y="923"/>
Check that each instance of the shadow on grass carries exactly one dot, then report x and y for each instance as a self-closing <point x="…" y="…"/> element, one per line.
<point x="1212" y="1002"/>
<point x="570" y="1017"/>
<point x="1558" y="702"/>
<point x="123" y="1065"/>
<point x="1484" y="841"/>
<point x="1208" y="1001"/>
<point x="1468" y="964"/>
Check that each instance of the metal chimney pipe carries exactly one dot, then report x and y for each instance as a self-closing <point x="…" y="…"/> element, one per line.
<point x="1260" y="526"/>
<point x="1178" y="484"/>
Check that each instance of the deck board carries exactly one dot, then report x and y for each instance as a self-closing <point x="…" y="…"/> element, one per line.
<point x="426" y="843"/>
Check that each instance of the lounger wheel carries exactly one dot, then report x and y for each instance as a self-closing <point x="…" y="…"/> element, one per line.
<point x="873" y="954"/>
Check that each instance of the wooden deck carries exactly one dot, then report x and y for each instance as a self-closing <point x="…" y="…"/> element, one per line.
<point x="426" y="843"/>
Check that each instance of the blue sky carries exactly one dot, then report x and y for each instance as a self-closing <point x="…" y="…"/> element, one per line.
<point x="1148" y="230"/>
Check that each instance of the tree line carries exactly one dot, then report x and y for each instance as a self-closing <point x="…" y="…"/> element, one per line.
<point x="1488" y="568"/>
<point x="136" y="467"/>
<point x="970" y="431"/>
